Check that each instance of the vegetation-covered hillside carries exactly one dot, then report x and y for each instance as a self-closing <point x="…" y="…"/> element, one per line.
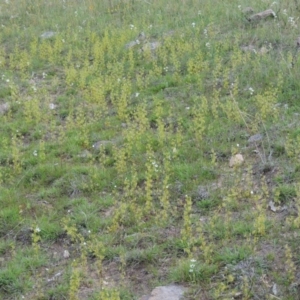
<point x="149" y="142"/>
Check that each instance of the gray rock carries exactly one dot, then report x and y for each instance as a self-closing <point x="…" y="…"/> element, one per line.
<point x="151" y="46"/>
<point x="248" y="48"/>
<point x="169" y="33"/>
<point x="255" y="138"/>
<point x="98" y="145"/>
<point x="48" y="34"/>
<point x="171" y="292"/>
<point x="236" y="160"/>
<point x="141" y="36"/>
<point x="262" y="15"/>
<point x="52" y="106"/>
<point x="66" y="254"/>
<point x="248" y="10"/>
<point x="202" y="193"/>
<point x="85" y="154"/>
<point x="132" y="44"/>
<point x="4" y="107"/>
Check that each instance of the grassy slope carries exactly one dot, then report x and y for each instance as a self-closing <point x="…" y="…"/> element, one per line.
<point x="159" y="192"/>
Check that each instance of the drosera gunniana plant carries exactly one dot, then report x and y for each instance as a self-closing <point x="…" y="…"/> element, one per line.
<point x="158" y="196"/>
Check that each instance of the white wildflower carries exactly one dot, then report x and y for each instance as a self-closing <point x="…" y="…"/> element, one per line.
<point x="192" y="265"/>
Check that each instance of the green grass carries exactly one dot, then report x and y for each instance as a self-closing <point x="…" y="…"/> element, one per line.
<point x="119" y="156"/>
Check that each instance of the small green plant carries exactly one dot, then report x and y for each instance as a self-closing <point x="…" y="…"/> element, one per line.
<point x="74" y="282"/>
<point x="186" y="231"/>
<point x="290" y="265"/>
<point x="36" y="238"/>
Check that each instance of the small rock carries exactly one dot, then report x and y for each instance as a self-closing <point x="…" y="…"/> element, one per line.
<point x="48" y="34"/>
<point x="248" y="48"/>
<point x="274" y="289"/>
<point x="272" y="206"/>
<point x="237" y="295"/>
<point x="236" y="160"/>
<point x="169" y="33"/>
<point x="4" y="107"/>
<point x="262" y="15"/>
<point x="52" y="106"/>
<point x="171" y="292"/>
<point x="178" y="187"/>
<point x="151" y="46"/>
<point x="66" y="254"/>
<point x="85" y="154"/>
<point x="248" y="10"/>
<point x="141" y="36"/>
<point x="202" y="193"/>
<point x="263" y="50"/>
<point x="255" y="138"/>
<point x="99" y="144"/>
<point x="54" y="277"/>
<point x="131" y="44"/>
